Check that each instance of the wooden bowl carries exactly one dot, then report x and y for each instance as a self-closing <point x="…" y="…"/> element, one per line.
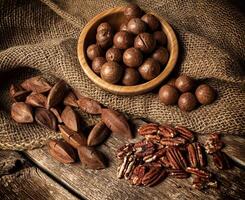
<point x="115" y="17"/>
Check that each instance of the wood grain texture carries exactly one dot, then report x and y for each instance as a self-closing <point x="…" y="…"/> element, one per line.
<point x="115" y="17"/>
<point x="103" y="184"/>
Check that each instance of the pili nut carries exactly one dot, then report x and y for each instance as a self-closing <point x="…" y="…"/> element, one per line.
<point x="21" y="112"/>
<point x="73" y="138"/>
<point x="167" y="131"/>
<point x="98" y="134"/>
<point x="36" y="100"/>
<point x="173" y="141"/>
<point x="46" y="118"/>
<point x="221" y="160"/>
<point x="18" y="93"/>
<point x="178" y="173"/>
<point x="91" y="158"/>
<point x="89" y="105"/>
<point x="148" y="129"/>
<point x="70" y="100"/>
<point x="185" y="133"/>
<point x="62" y="151"/>
<point x="116" y="122"/>
<point x="198" y="172"/>
<point x="57" y="112"/>
<point x="36" y="84"/>
<point x="57" y="94"/>
<point x="70" y="118"/>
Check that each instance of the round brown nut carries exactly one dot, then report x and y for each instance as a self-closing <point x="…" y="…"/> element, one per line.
<point x="104" y="26"/>
<point x="114" y="54"/>
<point x="123" y="40"/>
<point x="131" y="77"/>
<point x="160" y="38"/>
<point x="184" y="83"/>
<point x="187" y="101"/>
<point x="151" y="21"/>
<point x="104" y="38"/>
<point x="161" y="55"/>
<point x="124" y="26"/>
<point x="132" y="11"/>
<point x="132" y="57"/>
<point x="111" y="72"/>
<point x="136" y="26"/>
<point x="150" y="69"/>
<point x="94" y="51"/>
<point x="145" y="42"/>
<point x="168" y="95"/>
<point x="205" y="94"/>
<point x="97" y="64"/>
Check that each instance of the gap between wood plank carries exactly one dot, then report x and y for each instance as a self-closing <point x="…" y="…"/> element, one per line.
<point x="59" y="181"/>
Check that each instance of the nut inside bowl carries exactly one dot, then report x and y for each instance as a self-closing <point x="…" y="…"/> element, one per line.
<point x="115" y="18"/>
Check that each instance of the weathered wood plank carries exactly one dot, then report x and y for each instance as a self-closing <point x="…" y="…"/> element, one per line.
<point x="29" y="183"/>
<point x="103" y="184"/>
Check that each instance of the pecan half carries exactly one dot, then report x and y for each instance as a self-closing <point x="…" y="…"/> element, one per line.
<point x="138" y="174"/>
<point x="198" y="172"/>
<point x="165" y="162"/>
<point x="195" y="154"/>
<point x="213" y="143"/>
<point x="173" y="141"/>
<point x="221" y="160"/>
<point x="178" y="173"/>
<point x="148" y="129"/>
<point x="167" y="131"/>
<point x="122" y="151"/>
<point x="185" y="133"/>
<point x="176" y="159"/>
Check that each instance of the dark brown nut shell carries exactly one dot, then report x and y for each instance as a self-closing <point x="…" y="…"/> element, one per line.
<point x="36" y="100"/>
<point x="123" y="40"/>
<point x="111" y="72"/>
<point x="136" y="26"/>
<point x="73" y="138"/>
<point x="57" y="94"/>
<point x="114" y="54"/>
<point x="57" y="112"/>
<point x="70" y="118"/>
<point x="98" y="134"/>
<point x="205" y="94"/>
<point x="160" y="37"/>
<point x="132" y="57"/>
<point x="131" y="77"/>
<point x="104" y="26"/>
<point x="161" y="55"/>
<point x="89" y="105"/>
<point x="168" y="95"/>
<point x="116" y="122"/>
<point x="145" y="42"/>
<point x="104" y="38"/>
<point x="46" y="118"/>
<point x="21" y="112"/>
<point x="36" y="84"/>
<point x="184" y="83"/>
<point x="132" y="11"/>
<point x="61" y="151"/>
<point x="91" y="158"/>
<point x="187" y="102"/>
<point x="97" y="64"/>
<point x="94" y="51"/>
<point x="18" y="93"/>
<point x="70" y="100"/>
<point x="151" y="21"/>
<point x="150" y="69"/>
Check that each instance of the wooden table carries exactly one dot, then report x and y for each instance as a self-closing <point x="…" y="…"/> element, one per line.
<point x="44" y="178"/>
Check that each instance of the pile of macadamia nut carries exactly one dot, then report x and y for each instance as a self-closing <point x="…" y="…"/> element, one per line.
<point x="183" y="91"/>
<point x="135" y="54"/>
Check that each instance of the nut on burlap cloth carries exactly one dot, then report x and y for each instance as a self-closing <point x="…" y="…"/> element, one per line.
<point x="41" y="37"/>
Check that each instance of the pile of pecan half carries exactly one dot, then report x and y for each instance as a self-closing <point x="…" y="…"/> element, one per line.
<point x="170" y="151"/>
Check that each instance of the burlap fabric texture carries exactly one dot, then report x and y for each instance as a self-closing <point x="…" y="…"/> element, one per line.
<point x="41" y="37"/>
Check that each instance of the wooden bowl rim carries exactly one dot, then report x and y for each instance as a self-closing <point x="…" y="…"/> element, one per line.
<point x="121" y="89"/>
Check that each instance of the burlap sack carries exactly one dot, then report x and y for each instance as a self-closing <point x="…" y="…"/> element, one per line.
<point x="41" y="37"/>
